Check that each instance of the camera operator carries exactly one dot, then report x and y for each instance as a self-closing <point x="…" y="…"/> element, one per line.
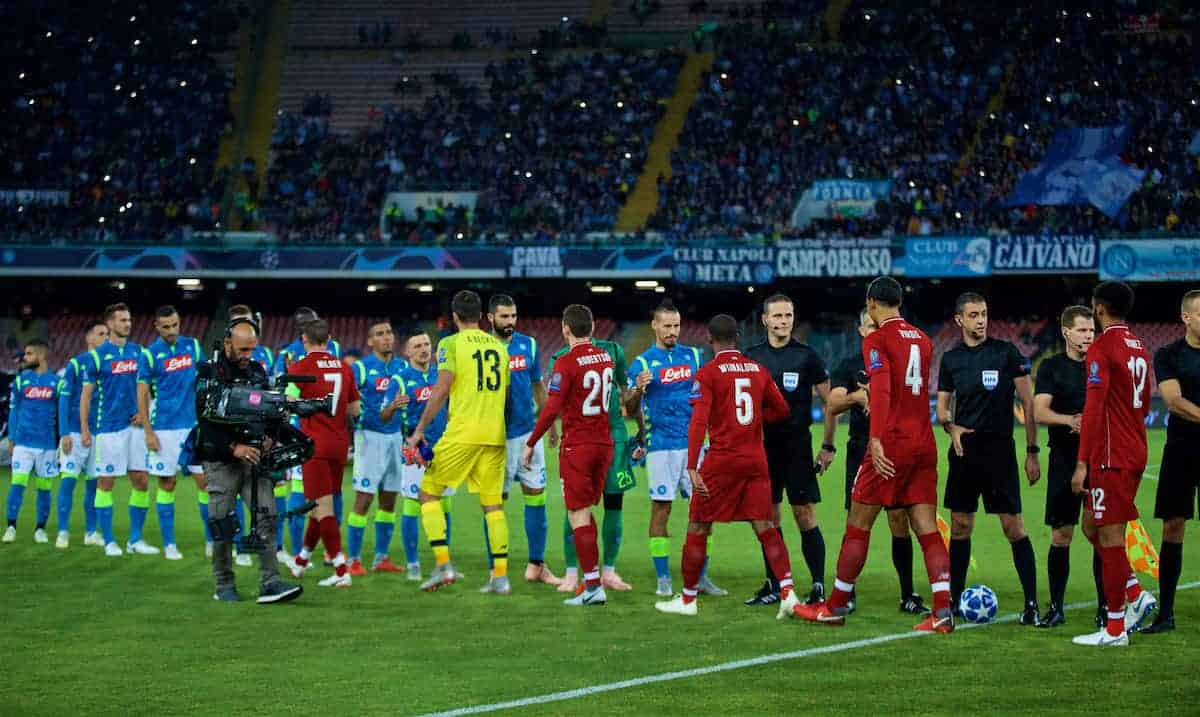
<point x="229" y="460"/>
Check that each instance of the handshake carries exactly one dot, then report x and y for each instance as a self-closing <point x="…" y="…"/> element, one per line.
<point x="419" y="455"/>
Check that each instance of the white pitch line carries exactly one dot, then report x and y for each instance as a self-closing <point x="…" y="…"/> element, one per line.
<point x="722" y="667"/>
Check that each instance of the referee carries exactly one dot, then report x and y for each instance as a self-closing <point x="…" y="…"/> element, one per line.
<point x="849" y="393"/>
<point x="981" y="375"/>
<point x="1058" y="404"/>
<point x="797" y="371"/>
<point x="1177" y="369"/>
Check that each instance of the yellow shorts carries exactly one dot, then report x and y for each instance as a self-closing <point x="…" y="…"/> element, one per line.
<point x="482" y="467"/>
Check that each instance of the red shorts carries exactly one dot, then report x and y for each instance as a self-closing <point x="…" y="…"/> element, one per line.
<point x="733" y="494"/>
<point x="584" y="469"/>
<point x="322" y="477"/>
<point x="915" y="482"/>
<point x="1111" y="493"/>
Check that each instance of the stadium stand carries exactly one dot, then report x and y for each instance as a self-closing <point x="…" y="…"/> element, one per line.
<point x="116" y="113"/>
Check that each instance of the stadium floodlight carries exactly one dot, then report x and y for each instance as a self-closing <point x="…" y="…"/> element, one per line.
<point x="188" y="283"/>
<point x="601" y="289"/>
<point x="133" y="18"/>
<point x="195" y="41"/>
<point x="620" y="104"/>
<point x="628" y="155"/>
<point x="21" y="76"/>
<point x="137" y="42"/>
<point x="660" y="289"/>
<point x="183" y="83"/>
<point x="646" y="284"/>
<point x="749" y="289"/>
<point x="867" y="17"/>
<point x="425" y="288"/>
<point x="118" y="285"/>
<point x="373" y="288"/>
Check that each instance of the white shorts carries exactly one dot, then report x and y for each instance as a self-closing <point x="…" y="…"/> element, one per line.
<point x="410" y="483"/>
<point x="378" y="459"/>
<point x="115" y="454"/>
<point x="667" y="472"/>
<point x="40" y="462"/>
<point x="535" y="477"/>
<point x="165" y="463"/>
<point x="75" y="462"/>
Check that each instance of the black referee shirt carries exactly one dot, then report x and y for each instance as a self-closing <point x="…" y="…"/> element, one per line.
<point x="981" y="379"/>
<point x="845" y="375"/>
<point x="1066" y="381"/>
<point x="1181" y="362"/>
<point x="796" y="368"/>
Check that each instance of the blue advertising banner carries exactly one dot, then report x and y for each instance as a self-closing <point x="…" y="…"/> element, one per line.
<point x="1045" y="254"/>
<point x="833" y="258"/>
<point x="170" y="262"/>
<point x="1082" y="166"/>
<point x="619" y="263"/>
<point x="842" y="197"/>
<point x="1150" y="260"/>
<point x="937" y="257"/>
<point x="724" y="265"/>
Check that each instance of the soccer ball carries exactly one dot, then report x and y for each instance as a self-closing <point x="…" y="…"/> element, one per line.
<point x="978" y="604"/>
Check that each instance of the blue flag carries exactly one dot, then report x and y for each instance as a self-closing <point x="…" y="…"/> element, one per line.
<point x="1082" y="166"/>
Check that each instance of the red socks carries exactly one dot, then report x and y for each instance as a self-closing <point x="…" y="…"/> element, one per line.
<point x="850" y="564"/>
<point x="588" y="554"/>
<point x="1133" y="588"/>
<point x="937" y="565"/>
<point x="695" y="549"/>
<point x="777" y="557"/>
<point x="1115" y="574"/>
<point x="312" y="534"/>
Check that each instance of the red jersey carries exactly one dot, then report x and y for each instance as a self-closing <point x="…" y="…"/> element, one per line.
<point x="898" y="357"/>
<point x="331" y="433"/>
<point x="731" y="398"/>
<point x="1113" y="432"/>
<point x="580" y="385"/>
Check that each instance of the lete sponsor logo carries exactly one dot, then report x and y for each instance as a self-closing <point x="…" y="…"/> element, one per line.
<point x="123" y="366"/>
<point x="382" y="383"/>
<point x="674" y="374"/>
<point x="517" y="362"/>
<point x="179" y="363"/>
<point x="39" y="393"/>
<point x="424" y="393"/>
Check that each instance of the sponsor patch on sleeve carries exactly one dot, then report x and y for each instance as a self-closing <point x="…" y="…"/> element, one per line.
<point x="874" y="362"/>
<point x="1094" y="372"/>
<point x="555" y="382"/>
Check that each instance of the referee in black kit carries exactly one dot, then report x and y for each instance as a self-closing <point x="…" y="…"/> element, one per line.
<point x="1177" y="370"/>
<point x="1058" y="404"/>
<point x="797" y="370"/>
<point x="981" y="375"/>
<point x="849" y="393"/>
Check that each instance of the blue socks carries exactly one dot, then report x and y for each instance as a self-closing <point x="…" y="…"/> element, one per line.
<point x="354" y="535"/>
<point x="43" y="507"/>
<point x="536" y="527"/>
<point x="16" y="495"/>
<point x="165" y="506"/>
<point x="410" y="536"/>
<point x="296" y="522"/>
<point x="66" y="498"/>
<point x="337" y="508"/>
<point x="89" y="505"/>
<point x="383" y="533"/>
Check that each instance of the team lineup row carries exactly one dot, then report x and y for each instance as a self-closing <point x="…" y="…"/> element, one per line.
<point x="981" y="375"/>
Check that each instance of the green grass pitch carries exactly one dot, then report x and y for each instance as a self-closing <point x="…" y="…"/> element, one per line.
<point x="87" y="635"/>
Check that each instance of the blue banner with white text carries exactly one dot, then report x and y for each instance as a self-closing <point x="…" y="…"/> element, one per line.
<point x="1150" y="260"/>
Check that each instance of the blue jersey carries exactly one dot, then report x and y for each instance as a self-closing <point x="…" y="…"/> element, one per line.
<point x="294" y="351"/>
<point x="265" y="358"/>
<point x="419" y="387"/>
<point x="113" y="371"/>
<point x="170" y="372"/>
<point x="33" y="405"/>
<point x="68" y="394"/>
<point x="524" y="369"/>
<point x="665" y="401"/>
<point x="374" y="378"/>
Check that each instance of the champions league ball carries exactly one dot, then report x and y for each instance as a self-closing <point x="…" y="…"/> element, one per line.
<point x="978" y="604"/>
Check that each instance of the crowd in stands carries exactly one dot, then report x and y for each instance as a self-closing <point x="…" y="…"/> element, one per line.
<point x="550" y="144"/>
<point x="115" y="111"/>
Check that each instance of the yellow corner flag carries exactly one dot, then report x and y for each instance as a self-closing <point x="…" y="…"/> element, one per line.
<point x="1142" y="556"/>
<point x="944" y="529"/>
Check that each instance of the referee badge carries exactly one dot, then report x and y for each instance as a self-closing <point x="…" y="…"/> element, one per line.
<point x="791" y="380"/>
<point x="991" y="378"/>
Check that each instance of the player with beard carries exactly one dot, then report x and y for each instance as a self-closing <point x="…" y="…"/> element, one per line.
<point x="32" y="407"/>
